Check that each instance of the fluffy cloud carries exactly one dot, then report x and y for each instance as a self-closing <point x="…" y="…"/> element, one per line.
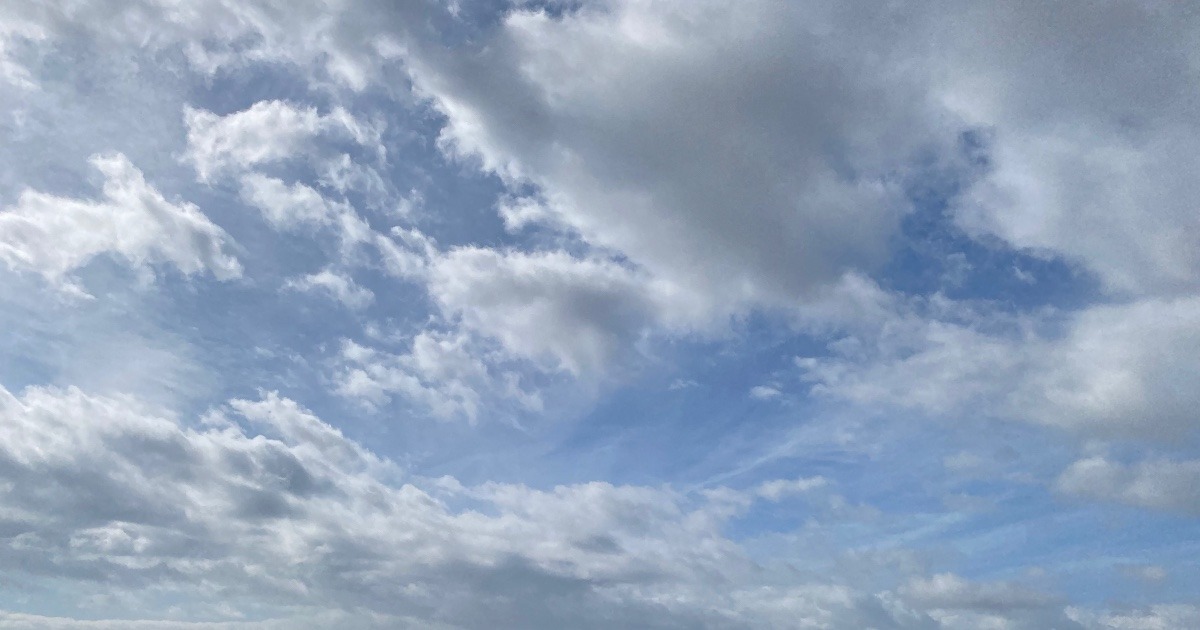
<point x="54" y="236"/>
<point x="267" y="132"/>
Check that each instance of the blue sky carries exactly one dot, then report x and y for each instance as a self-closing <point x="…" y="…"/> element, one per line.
<point x="614" y="313"/>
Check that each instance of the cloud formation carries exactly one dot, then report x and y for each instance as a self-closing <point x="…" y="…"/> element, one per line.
<point x="53" y="236"/>
<point x="293" y="515"/>
<point x="647" y="313"/>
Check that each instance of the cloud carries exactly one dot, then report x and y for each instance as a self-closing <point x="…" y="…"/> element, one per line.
<point x="731" y="153"/>
<point x="294" y="517"/>
<point x="778" y="489"/>
<point x="961" y="604"/>
<point x="262" y="509"/>
<point x="1160" y="617"/>
<point x="1091" y="138"/>
<point x="1159" y="484"/>
<point x="949" y="591"/>
<point x="266" y="132"/>
<point x="336" y="285"/>
<point x="764" y="392"/>
<point x="571" y="313"/>
<point x="1114" y="370"/>
<point x="53" y="236"/>
<point x="291" y="206"/>
<point x="440" y="372"/>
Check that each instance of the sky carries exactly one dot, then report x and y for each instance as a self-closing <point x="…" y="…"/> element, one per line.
<point x="552" y="314"/>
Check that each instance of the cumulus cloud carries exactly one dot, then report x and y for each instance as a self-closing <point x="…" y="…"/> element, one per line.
<point x="53" y="236"/>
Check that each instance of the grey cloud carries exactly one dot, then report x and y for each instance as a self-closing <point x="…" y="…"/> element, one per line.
<point x="577" y="314"/>
<point x="732" y="153"/>
<point x="1092" y="110"/>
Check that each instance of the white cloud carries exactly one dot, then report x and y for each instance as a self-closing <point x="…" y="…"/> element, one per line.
<point x="14" y="30"/>
<point x="440" y="372"/>
<point x="266" y="132"/>
<point x="406" y="253"/>
<point x="290" y="206"/>
<point x="54" y="236"/>
<point x="764" y="392"/>
<point x="336" y="285"/>
<point x="1159" y="484"/>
